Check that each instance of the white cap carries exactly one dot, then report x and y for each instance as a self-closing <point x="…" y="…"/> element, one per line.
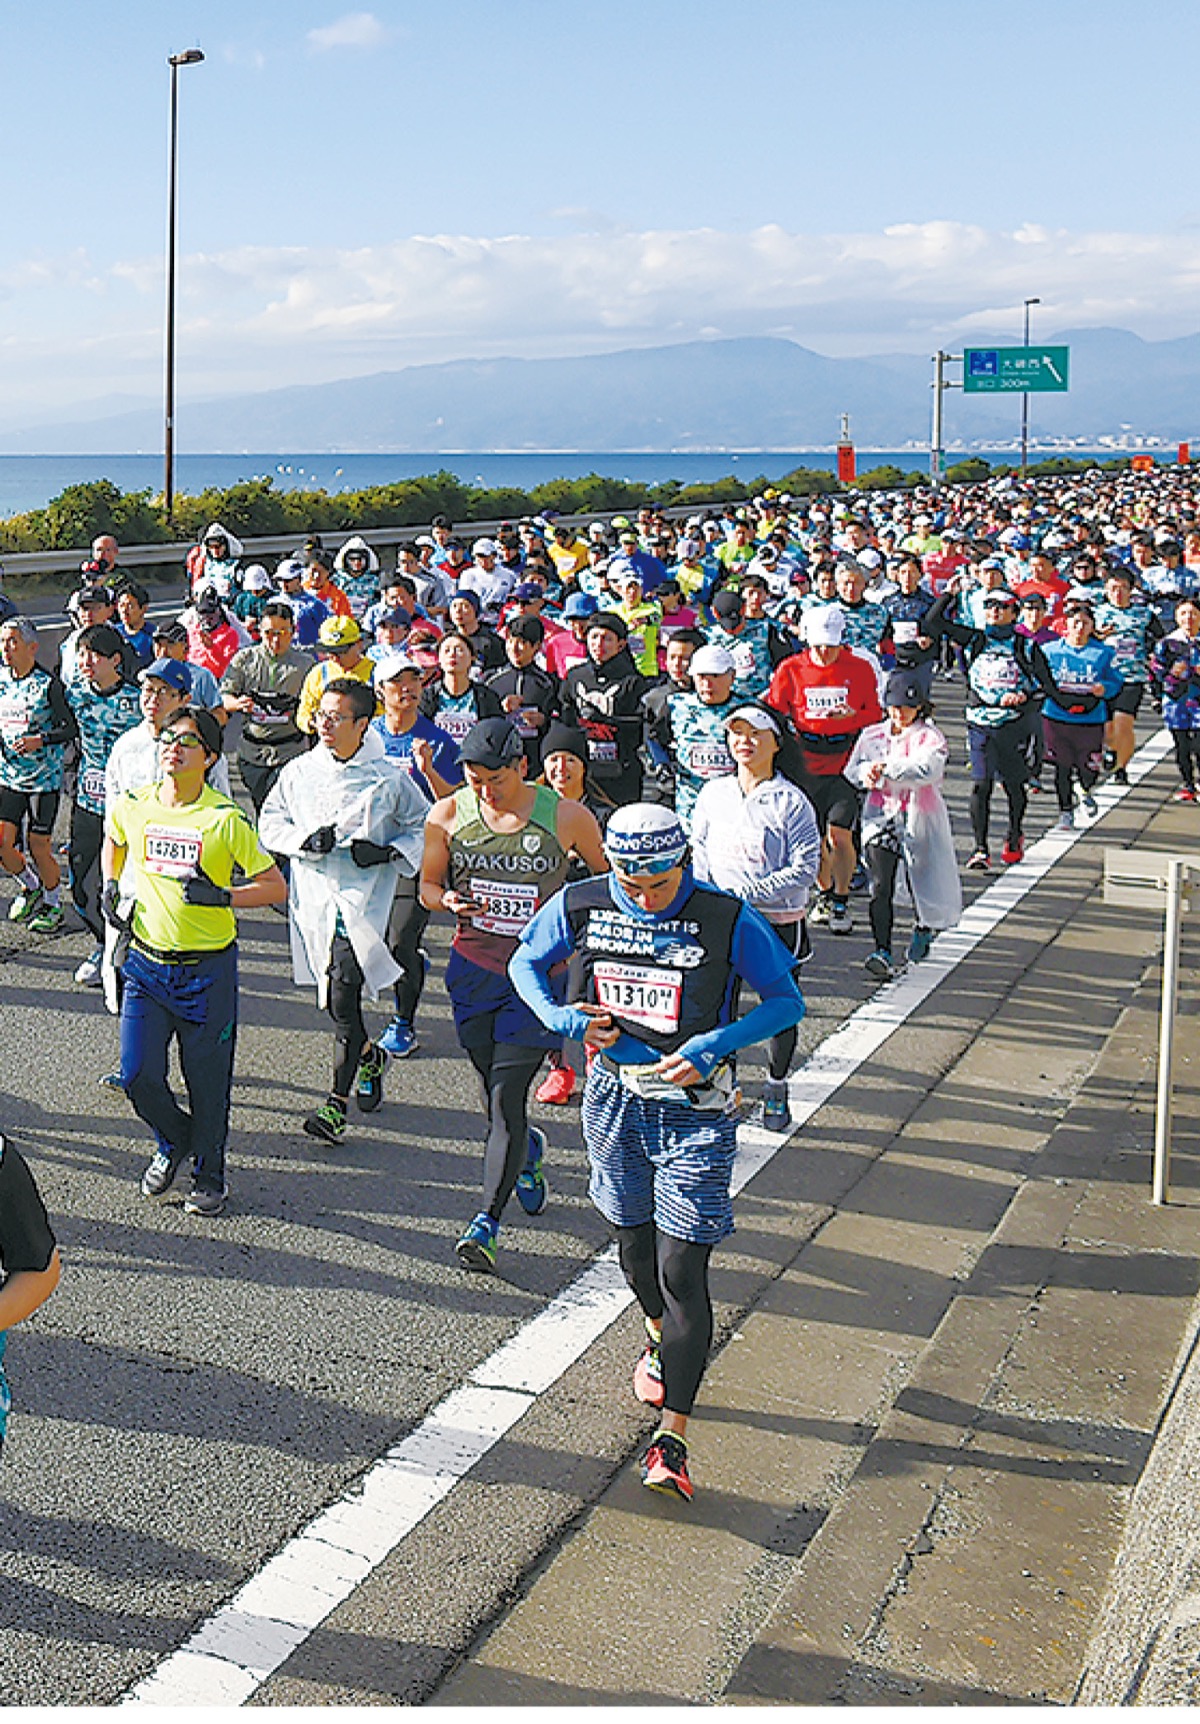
<point x="823" y="625"/>
<point x="755" y="715"/>
<point x="390" y="664"/>
<point x="256" y="579"/>
<point x="712" y="661"/>
<point x="485" y="548"/>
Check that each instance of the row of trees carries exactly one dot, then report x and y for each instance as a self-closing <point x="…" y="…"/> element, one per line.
<point x="255" y="509"/>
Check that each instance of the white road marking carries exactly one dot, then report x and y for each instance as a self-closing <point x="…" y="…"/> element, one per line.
<point x="231" y="1655"/>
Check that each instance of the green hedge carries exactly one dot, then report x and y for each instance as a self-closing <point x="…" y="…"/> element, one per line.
<point x="255" y="509"/>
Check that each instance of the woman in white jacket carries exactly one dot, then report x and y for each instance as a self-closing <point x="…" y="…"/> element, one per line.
<point x="900" y="763"/>
<point x="350" y="822"/>
<point x="754" y="834"/>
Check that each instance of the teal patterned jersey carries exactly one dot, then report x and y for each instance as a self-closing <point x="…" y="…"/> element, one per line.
<point x="698" y="745"/>
<point x="1126" y="632"/>
<point x="32" y="705"/>
<point x="751" y="650"/>
<point x="101" y="718"/>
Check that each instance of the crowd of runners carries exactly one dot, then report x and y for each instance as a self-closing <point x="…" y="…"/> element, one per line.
<point x="641" y="764"/>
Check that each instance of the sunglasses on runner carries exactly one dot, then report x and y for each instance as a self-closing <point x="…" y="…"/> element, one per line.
<point x="647" y="870"/>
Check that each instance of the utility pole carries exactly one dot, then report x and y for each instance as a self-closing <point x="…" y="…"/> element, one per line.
<point x="190" y="57"/>
<point x="1025" y="400"/>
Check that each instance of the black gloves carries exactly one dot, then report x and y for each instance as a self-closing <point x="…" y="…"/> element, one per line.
<point x="320" y="842"/>
<point x="367" y="854"/>
<point x="200" y="889"/>
<point x="110" y="907"/>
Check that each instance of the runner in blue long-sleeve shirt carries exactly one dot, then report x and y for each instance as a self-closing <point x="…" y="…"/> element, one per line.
<point x="1085" y="679"/>
<point x="655" y="962"/>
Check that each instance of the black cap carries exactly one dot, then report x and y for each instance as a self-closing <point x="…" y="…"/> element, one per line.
<point x="565" y="739"/>
<point x="727" y="604"/>
<point x="492" y="743"/>
<point x="608" y="620"/>
<point x="904" y="689"/>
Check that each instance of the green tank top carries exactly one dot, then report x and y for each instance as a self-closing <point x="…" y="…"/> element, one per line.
<point x="512" y="874"/>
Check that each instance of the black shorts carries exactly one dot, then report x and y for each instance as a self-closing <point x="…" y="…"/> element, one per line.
<point x="835" y="800"/>
<point x="40" y="805"/>
<point x="1129" y="700"/>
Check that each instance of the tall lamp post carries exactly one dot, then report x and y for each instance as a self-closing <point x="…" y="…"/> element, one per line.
<point x="1025" y="400"/>
<point x="191" y="57"/>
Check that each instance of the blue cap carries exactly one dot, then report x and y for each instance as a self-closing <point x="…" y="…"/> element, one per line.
<point x="172" y="671"/>
<point x="581" y="605"/>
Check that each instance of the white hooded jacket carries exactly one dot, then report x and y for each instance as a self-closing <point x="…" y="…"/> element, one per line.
<point x="367" y="796"/>
<point x="909" y="800"/>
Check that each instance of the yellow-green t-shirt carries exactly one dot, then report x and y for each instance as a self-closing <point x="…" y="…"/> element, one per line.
<point x="163" y="846"/>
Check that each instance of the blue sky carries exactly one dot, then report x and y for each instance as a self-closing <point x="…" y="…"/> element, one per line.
<point x="364" y="188"/>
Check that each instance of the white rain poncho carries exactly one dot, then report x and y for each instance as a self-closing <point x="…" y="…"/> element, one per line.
<point x="908" y="802"/>
<point x="366" y="796"/>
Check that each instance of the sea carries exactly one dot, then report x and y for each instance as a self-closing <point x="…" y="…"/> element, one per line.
<point x="30" y="481"/>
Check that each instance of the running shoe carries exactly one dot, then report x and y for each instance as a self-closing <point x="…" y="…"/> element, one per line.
<point x="1120" y="776"/>
<point x="777" y="1115"/>
<point x="110" y="1080"/>
<point x="88" y="974"/>
<point x="1185" y="793"/>
<point x="1035" y="787"/>
<point x="26" y="904"/>
<point x="860" y="880"/>
<point x="557" y="1087"/>
<point x="1013" y="852"/>
<point x="647" y="1376"/>
<point x="880" y="965"/>
<point x="979" y="861"/>
<point x="328" y="1123"/>
<point x="399" y="1040"/>
<point x="532" y="1190"/>
<point x="161" y="1174"/>
<point x="919" y="945"/>
<point x="477" y="1247"/>
<point x="1110" y="759"/>
<point x="48" y="919"/>
<point x="665" y="1468"/>
<point x="368" y="1090"/>
<point x="818" y="912"/>
<point x="199" y="1202"/>
<point x="1065" y="822"/>
<point x="840" y="919"/>
<point x="1089" y="805"/>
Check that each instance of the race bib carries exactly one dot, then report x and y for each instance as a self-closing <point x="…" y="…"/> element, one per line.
<point x="641" y="994"/>
<point x="91" y="783"/>
<point x="259" y="715"/>
<point x="13" y="720"/>
<point x="506" y="908"/>
<point x="709" y="760"/>
<point x="996" y="674"/>
<point x="603" y="752"/>
<point x="173" y="850"/>
<point x="825" y="702"/>
<point x="904" y="633"/>
<point x="456" y="724"/>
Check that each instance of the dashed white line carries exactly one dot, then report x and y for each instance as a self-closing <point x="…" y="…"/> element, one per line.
<point x="231" y="1655"/>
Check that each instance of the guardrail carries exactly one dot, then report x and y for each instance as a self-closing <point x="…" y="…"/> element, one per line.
<point x="281" y="544"/>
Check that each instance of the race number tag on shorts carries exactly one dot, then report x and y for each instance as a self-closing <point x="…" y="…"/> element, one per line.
<point x="641" y="994"/>
<point x="91" y="783"/>
<point x="825" y="702"/>
<point x="506" y="909"/>
<point x="173" y="850"/>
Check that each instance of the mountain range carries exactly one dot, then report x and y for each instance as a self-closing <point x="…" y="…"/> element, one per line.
<point x="752" y="393"/>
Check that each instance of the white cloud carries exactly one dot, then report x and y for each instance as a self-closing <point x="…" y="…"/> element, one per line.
<point x="354" y="30"/>
<point x="255" y="317"/>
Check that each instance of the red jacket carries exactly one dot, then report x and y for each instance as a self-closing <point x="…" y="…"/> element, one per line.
<point x="828" y="704"/>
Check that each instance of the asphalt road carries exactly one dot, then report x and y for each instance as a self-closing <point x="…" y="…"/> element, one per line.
<point x="197" y="1390"/>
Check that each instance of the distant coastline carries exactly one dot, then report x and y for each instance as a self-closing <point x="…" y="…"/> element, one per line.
<point x="30" y="481"/>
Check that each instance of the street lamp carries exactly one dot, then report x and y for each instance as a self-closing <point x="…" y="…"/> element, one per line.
<point x="190" y="57"/>
<point x="1025" y="399"/>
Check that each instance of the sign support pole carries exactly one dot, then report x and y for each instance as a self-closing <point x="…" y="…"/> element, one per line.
<point x="1172" y="924"/>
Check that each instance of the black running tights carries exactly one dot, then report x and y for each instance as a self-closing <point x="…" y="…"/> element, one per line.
<point x="670" y="1279"/>
<point x="406" y="924"/>
<point x="506" y="1071"/>
<point x="781" y="1049"/>
<point x="345" y="1008"/>
<point x="981" y="803"/>
<point x="1187" y="755"/>
<point x="882" y="865"/>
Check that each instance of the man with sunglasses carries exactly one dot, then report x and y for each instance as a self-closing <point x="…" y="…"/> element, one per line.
<point x="170" y="850"/>
<point x="656" y="964"/>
